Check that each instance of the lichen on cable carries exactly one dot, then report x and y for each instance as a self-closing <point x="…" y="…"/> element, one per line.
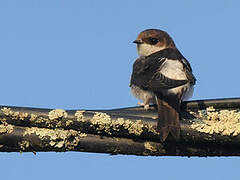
<point x="58" y="138"/>
<point x="6" y="128"/>
<point x="57" y="113"/>
<point x="134" y="127"/>
<point x="224" y="122"/>
<point x="24" y="145"/>
<point x="79" y="116"/>
<point x="150" y="146"/>
<point x="151" y="129"/>
<point x="68" y="122"/>
<point x="104" y="123"/>
<point x="13" y="114"/>
<point x="33" y="117"/>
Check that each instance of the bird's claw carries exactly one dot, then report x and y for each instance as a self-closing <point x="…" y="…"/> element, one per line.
<point x="145" y="106"/>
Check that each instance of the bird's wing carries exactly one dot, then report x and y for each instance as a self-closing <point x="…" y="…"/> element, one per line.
<point x="188" y="71"/>
<point x="146" y="74"/>
<point x="160" y="81"/>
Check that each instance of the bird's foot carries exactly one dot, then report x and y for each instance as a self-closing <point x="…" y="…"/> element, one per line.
<point x="145" y="106"/>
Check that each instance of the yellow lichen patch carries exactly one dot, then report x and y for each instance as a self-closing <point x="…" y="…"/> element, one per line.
<point x="24" y="145"/>
<point x="58" y="124"/>
<point x="117" y="124"/>
<point x="59" y="144"/>
<point x="79" y="115"/>
<point x="224" y="122"/>
<point x="135" y="128"/>
<point x="149" y="146"/>
<point x="52" y="143"/>
<point x="3" y="120"/>
<point x="14" y="115"/>
<point x="47" y="122"/>
<point x="33" y="117"/>
<point x="7" y="111"/>
<point x="57" y="138"/>
<point x="6" y="128"/>
<point x="103" y="121"/>
<point x="57" y="113"/>
<point x="69" y="122"/>
<point x="210" y="109"/>
<point x="2" y="129"/>
<point x="151" y="129"/>
<point x="22" y="116"/>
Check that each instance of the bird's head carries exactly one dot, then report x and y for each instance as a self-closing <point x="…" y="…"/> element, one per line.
<point x="152" y="40"/>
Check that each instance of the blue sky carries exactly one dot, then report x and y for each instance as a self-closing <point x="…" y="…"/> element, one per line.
<point x="79" y="55"/>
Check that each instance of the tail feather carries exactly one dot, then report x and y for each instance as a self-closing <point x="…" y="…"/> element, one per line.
<point x="168" y="118"/>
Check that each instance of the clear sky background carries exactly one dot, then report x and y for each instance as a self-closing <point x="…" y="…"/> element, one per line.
<point x="74" y="54"/>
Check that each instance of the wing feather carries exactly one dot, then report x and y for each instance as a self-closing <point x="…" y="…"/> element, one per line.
<point x="147" y="76"/>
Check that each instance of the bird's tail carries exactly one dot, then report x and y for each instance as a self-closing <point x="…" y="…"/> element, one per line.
<point x="168" y="117"/>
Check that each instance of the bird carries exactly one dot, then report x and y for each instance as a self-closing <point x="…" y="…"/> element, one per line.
<point x="163" y="76"/>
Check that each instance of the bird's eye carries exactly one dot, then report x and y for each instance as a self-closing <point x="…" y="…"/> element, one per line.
<point x="153" y="41"/>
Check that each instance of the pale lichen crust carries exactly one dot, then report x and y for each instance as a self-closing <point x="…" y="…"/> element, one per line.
<point x="150" y="146"/>
<point x="33" y="117"/>
<point x="134" y="127"/>
<point x="13" y="114"/>
<point x="224" y="122"/>
<point x="104" y="122"/>
<point x="67" y="139"/>
<point x="24" y="145"/>
<point x="6" y="128"/>
<point x="79" y="116"/>
<point x="57" y="113"/>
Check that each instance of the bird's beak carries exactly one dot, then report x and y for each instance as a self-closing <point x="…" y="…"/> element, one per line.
<point x="138" y="41"/>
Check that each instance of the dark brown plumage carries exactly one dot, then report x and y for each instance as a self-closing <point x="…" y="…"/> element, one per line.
<point x="147" y="76"/>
